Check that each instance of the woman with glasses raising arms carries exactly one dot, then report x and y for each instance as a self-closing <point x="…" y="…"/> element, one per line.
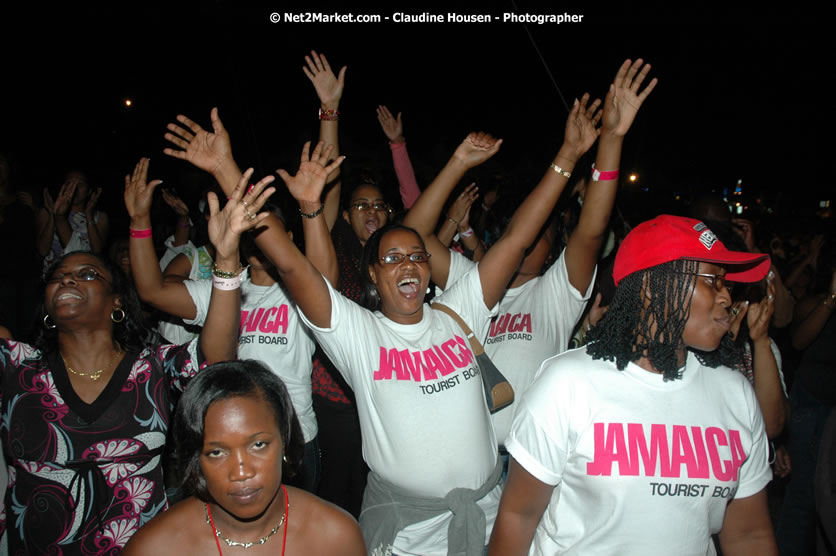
<point x="427" y="435"/>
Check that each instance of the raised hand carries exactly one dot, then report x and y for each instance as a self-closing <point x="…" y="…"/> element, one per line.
<point x="90" y="208"/>
<point x="138" y="192"/>
<point x="459" y="211"/>
<point x="329" y="88"/>
<point x="392" y="127"/>
<point x="176" y="203"/>
<point x="207" y="151"/>
<point x="737" y="313"/>
<point x="239" y="214"/>
<point x="476" y="148"/>
<point x="761" y="313"/>
<point x="581" y="132"/>
<point x="624" y="99"/>
<point x="49" y="204"/>
<point x="307" y="184"/>
<point x="65" y="199"/>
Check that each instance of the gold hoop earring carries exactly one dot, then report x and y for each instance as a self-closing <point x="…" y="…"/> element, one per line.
<point x="121" y="313"/>
<point x="47" y="324"/>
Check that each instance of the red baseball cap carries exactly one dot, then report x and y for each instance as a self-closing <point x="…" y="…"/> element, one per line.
<point x="670" y="238"/>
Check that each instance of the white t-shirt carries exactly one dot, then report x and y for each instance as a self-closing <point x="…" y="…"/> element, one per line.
<point x="272" y="333"/>
<point x="534" y="322"/>
<point x="423" y="417"/>
<point x="640" y="465"/>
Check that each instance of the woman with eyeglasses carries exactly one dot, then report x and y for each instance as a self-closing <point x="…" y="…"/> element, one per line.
<point x="645" y="441"/>
<point x="86" y="409"/>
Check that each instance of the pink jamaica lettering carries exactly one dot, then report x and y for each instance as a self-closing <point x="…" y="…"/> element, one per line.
<point x="510" y="323"/>
<point x="272" y="320"/>
<point x="423" y="365"/>
<point x="695" y="451"/>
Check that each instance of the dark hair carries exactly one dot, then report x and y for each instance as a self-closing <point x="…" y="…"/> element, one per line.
<point x="365" y="181"/>
<point x="222" y="381"/>
<point x="658" y="297"/>
<point x="130" y="333"/>
<point x="370" y="298"/>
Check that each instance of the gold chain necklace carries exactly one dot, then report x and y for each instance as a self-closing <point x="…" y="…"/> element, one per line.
<point x="262" y="540"/>
<point x="94" y="375"/>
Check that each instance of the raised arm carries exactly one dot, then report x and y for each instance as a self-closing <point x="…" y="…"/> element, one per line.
<point x="768" y="389"/>
<point x="212" y="152"/>
<point x="620" y="107"/>
<point x="302" y="278"/>
<point x="329" y="89"/>
<point x="173" y="298"/>
<point x="458" y="221"/>
<point x="97" y="231"/>
<point x="181" y="231"/>
<point x="219" y="337"/>
<point x="423" y="216"/>
<point x="503" y="259"/>
<point x="306" y="189"/>
<point x="53" y="218"/>
<point x="393" y="128"/>
<point x="209" y="151"/>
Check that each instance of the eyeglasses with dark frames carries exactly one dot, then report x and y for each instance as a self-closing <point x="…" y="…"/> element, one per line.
<point x="718" y="281"/>
<point x="378" y="206"/>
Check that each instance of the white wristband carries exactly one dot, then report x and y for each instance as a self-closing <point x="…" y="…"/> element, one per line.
<point x="226" y="283"/>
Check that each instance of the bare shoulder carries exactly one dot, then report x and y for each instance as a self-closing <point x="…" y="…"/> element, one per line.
<point x="181" y="528"/>
<point x="319" y="527"/>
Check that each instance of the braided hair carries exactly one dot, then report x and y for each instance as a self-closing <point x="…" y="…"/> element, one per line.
<point x="647" y="317"/>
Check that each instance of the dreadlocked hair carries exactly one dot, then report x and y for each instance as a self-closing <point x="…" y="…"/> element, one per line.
<point x="647" y="317"/>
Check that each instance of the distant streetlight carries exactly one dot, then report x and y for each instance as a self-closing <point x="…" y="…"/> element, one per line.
<point x="128" y="102"/>
<point x="633" y="177"/>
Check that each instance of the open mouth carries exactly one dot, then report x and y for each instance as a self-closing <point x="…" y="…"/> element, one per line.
<point x="372" y="225"/>
<point x="69" y="296"/>
<point x="409" y="286"/>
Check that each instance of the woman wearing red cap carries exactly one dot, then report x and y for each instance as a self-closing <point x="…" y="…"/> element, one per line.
<point x="645" y="441"/>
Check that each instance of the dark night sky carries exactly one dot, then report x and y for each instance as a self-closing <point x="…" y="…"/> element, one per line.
<point x="740" y="93"/>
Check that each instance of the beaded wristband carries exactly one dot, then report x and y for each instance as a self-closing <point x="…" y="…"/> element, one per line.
<point x="561" y="171"/>
<point x="603" y="176"/>
<point x="140" y="234"/>
<point x="329" y="115"/>
<point x="226" y="284"/>
<point x="467" y="233"/>
<point x="313" y="214"/>
<point x="224" y="274"/>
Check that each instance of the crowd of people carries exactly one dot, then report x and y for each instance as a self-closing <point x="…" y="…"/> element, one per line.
<point x="234" y="372"/>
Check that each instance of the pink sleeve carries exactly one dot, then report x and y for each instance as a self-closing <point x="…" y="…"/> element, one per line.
<point x="406" y="175"/>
